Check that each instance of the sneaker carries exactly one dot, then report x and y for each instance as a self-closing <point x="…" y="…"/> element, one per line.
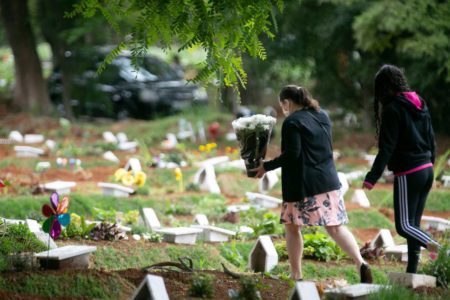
<point x="365" y="273"/>
<point x="433" y="247"/>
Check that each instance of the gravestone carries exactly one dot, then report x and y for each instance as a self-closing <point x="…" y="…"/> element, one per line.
<point x="245" y="229"/>
<point x="67" y="257"/>
<point x="26" y="151"/>
<point x="336" y="155"/>
<point x="60" y="187"/>
<point x="238" y="163"/>
<point x="33" y="138"/>
<point x="133" y="165"/>
<point x="267" y="182"/>
<point x="186" y="131"/>
<point x="42" y="166"/>
<point x="359" y="197"/>
<point x="355" y="175"/>
<point x="344" y="184"/>
<point x="412" y="280"/>
<point x="109" y="137"/>
<point x="128" y="146"/>
<point x="382" y="239"/>
<point x="115" y="190"/>
<point x="205" y="178"/>
<point x="370" y="158"/>
<point x="356" y="291"/>
<point x="397" y="253"/>
<point x="238" y="207"/>
<point x="179" y="235"/>
<point x="213" y="234"/>
<point x="170" y="142"/>
<point x="305" y="290"/>
<point x="50" y="144"/>
<point x="121" y="137"/>
<point x="15" y="136"/>
<point x="263" y="257"/>
<point x="46" y="239"/>
<point x="263" y="200"/>
<point x="150" y="219"/>
<point x="439" y="224"/>
<point x="201" y="219"/>
<point x="33" y="225"/>
<point x="201" y="132"/>
<point x="109" y="155"/>
<point x="151" y="288"/>
<point x="446" y="180"/>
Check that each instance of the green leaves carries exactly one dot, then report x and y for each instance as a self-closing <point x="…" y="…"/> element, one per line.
<point x="224" y="29"/>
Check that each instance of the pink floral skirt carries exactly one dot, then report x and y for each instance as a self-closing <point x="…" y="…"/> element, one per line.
<point x="327" y="209"/>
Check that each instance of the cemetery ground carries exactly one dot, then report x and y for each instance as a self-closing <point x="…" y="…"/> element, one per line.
<point x="122" y="258"/>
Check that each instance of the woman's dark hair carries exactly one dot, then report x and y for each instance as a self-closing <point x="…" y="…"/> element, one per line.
<point x="389" y="81"/>
<point x="299" y="95"/>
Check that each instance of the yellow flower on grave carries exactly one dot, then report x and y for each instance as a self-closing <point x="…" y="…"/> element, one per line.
<point x="128" y="179"/>
<point x="139" y="178"/>
<point x="75" y="219"/>
<point x="213" y="145"/>
<point x="201" y="148"/>
<point x="119" y="174"/>
<point x="178" y="174"/>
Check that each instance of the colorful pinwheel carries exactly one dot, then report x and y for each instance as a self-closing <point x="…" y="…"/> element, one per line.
<point x="1" y="184"/>
<point x="57" y="215"/>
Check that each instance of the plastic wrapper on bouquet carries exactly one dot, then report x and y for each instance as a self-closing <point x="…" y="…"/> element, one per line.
<point x="253" y="134"/>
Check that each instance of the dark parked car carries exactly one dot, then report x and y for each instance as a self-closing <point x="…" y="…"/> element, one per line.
<point x="121" y="90"/>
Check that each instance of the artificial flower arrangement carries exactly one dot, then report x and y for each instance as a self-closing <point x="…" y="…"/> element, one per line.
<point x="253" y="135"/>
<point x="128" y="178"/>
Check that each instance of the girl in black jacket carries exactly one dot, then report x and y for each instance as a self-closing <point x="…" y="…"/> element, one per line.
<point x="310" y="184"/>
<point x="406" y="145"/>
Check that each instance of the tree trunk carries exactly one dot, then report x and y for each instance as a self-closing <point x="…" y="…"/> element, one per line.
<point x="30" y="90"/>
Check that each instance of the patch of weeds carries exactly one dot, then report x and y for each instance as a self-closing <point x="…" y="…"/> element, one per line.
<point x="439" y="265"/>
<point x="321" y="247"/>
<point x="249" y="289"/>
<point x="202" y="286"/>
<point x="397" y="292"/>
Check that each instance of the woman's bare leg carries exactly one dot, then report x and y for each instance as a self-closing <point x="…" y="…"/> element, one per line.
<point x="345" y="239"/>
<point x="294" y="245"/>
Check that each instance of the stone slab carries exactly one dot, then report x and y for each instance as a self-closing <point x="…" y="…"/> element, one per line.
<point x="61" y="187"/>
<point x="205" y="178"/>
<point x="238" y="163"/>
<point x="66" y="252"/>
<point x="109" y="155"/>
<point x="263" y="200"/>
<point x="27" y="151"/>
<point x="439" y="224"/>
<point x="46" y="239"/>
<point x="397" y="253"/>
<point x="151" y="288"/>
<point x="355" y="175"/>
<point x="201" y="219"/>
<point x="213" y="234"/>
<point x="238" y="207"/>
<point x="446" y="180"/>
<point x="213" y="161"/>
<point x="356" y="291"/>
<point x="33" y="138"/>
<point x="42" y="166"/>
<point x="382" y="239"/>
<point x="33" y="225"/>
<point x="412" y="280"/>
<point x="305" y="290"/>
<point x="116" y="190"/>
<point x="179" y="235"/>
<point x="267" y="182"/>
<point x="121" y="137"/>
<point x="359" y="197"/>
<point x="150" y="219"/>
<point x="263" y="257"/>
<point x="109" y="137"/>
<point x="15" y="136"/>
<point x="128" y="146"/>
<point x="133" y="165"/>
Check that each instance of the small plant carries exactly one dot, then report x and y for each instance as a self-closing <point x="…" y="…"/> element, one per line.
<point x="281" y="250"/>
<point x="321" y="247"/>
<point x="270" y="225"/>
<point x="249" y="289"/>
<point x="439" y="266"/>
<point x="155" y="237"/>
<point x="202" y="286"/>
<point x="78" y="228"/>
<point x="131" y="217"/>
<point x="233" y="255"/>
<point x="104" y="215"/>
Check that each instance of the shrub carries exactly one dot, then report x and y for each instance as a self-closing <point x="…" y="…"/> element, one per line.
<point x="249" y="289"/>
<point x="77" y="228"/>
<point x="439" y="266"/>
<point x="321" y="247"/>
<point x="131" y="217"/>
<point x="201" y="286"/>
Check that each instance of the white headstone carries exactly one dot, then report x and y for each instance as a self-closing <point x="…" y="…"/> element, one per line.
<point x="439" y="224"/>
<point x="238" y="207"/>
<point x="115" y="190"/>
<point x="170" y="142"/>
<point x="42" y="166"/>
<point x="305" y="290"/>
<point x="355" y="175"/>
<point x="344" y="184"/>
<point x="356" y="291"/>
<point x="201" y="132"/>
<point x="238" y="163"/>
<point x="66" y="252"/>
<point x="109" y="137"/>
<point x="121" y="137"/>
<point x="446" y="180"/>
<point x="33" y="138"/>
<point x="212" y="161"/>
<point x="134" y="165"/>
<point x="61" y="187"/>
<point x="246" y="229"/>
<point x="151" y="288"/>
<point x="263" y="200"/>
<point x="201" y="219"/>
<point x="360" y="198"/>
<point x="267" y="182"/>
<point x="109" y="155"/>
<point x="205" y="178"/>
<point x="46" y="239"/>
<point x="382" y="239"/>
<point x="412" y="280"/>
<point x="263" y="257"/>
<point x="15" y="136"/>
<point x="33" y="225"/>
<point x="213" y="234"/>
<point x="179" y="235"/>
<point x="150" y="219"/>
<point x="50" y="144"/>
<point x="128" y="146"/>
<point x="336" y="155"/>
<point x="397" y="253"/>
<point x="370" y="158"/>
<point x="26" y="151"/>
<point x="231" y="136"/>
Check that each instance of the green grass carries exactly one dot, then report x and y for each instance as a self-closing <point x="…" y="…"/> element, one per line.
<point x="368" y="219"/>
<point x="401" y="293"/>
<point x="99" y="286"/>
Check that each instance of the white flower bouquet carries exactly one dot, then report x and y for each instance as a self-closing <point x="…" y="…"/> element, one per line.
<point x="253" y="134"/>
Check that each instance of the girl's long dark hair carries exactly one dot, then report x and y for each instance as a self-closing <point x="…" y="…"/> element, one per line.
<point x="299" y="95"/>
<point x="389" y="81"/>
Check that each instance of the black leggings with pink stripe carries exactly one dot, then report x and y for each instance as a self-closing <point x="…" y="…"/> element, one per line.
<point x="410" y="195"/>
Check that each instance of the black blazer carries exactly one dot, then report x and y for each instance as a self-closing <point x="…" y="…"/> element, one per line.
<point x="306" y="159"/>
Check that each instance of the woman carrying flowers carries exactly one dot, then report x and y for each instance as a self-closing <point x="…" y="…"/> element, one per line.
<point x="310" y="184"/>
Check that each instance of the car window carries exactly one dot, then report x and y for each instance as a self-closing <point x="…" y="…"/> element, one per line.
<point x="161" y="69"/>
<point x="128" y="72"/>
